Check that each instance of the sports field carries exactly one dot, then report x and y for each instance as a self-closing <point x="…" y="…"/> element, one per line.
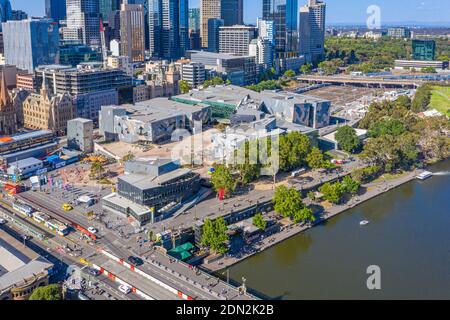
<point x="440" y="100"/>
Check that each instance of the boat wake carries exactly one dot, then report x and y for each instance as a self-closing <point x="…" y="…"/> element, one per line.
<point x="443" y="173"/>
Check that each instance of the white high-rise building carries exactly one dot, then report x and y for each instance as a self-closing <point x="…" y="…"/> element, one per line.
<point x="266" y="29"/>
<point x="193" y="73"/>
<point x="262" y="50"/>
<point x="83" y="22"/>
<point x="312" y="31"/>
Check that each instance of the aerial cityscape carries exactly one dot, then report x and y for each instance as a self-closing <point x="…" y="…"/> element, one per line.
<point x="224" y="150"/>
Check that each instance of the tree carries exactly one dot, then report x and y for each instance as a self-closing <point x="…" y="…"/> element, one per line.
<point x="289" y="74"/>
<point x="316" y="159"/>
<point x="304" y="215"/>
<point x="288" y="203"/>
<point x="306" y="68"/>
<point x="347" y="139"/>
<point x="367" y="174"/>
<point x="294" y="148"/>
<point x="443" y="58"/>
<point x="422" y="99"/>
<point x="259" y="222"/>
<point x="97" y="170"/>
<point x="50" y="292"/>
<point x="392" y="127"/>
<point x="312" y="196"/>
<point x="184" y="86"/>
<point x="351" y="186"/>
<point x="128" y="157"/>
<point x="428" y="70"/>
<point x="217" y="81"/>
<point x="215" y="235"/>
<point x="222" y="179"/>
<point x="332" y="192"/>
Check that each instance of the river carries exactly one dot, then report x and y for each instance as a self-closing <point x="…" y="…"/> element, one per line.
<point x="408" y="238"/>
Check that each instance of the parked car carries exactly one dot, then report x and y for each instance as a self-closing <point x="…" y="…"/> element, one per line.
<point x="2" y="221"/>
<point x="92" y="272"/>
<point x="92" y="230"/>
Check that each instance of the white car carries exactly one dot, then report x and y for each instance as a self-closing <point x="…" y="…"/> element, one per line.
<point x="2" y="221"/>
<point x="124" y="289"/>
<point x="92" y="230"/>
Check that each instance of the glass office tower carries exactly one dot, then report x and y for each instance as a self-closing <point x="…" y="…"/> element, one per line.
<point x="284" y="14"/>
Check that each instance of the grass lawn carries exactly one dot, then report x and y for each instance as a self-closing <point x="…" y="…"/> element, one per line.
<point x="440" y="99"/>
<point x="390" y="176"/>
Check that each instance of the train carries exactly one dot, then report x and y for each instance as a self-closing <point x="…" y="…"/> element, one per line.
<point x="44" y="219"/>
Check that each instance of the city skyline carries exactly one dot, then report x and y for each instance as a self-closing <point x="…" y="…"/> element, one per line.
<point x="339" y="11"/>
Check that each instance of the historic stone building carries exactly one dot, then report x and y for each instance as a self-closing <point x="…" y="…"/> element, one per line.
<point x="8" y="110"/>
<point x="43" y="111"/>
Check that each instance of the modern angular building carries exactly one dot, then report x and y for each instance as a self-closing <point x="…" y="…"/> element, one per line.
<point x="31" y="43"/>
<point x="284" y="14"/>
<point x="149" y="185"/>
<point x="83" y="22"/>
<point x="424" y="49"/>
<point x="153" y="121"/>
<point x="55" y="10"/>
<point x="132" y="20"/>
<point x="312" y="31"/>
<point x="80" y="135"/>
<point x="236" y="39"/>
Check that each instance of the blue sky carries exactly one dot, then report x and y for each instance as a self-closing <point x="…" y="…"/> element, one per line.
<point x="338" y="11"/>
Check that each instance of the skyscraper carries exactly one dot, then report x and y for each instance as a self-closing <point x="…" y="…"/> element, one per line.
<point x="312" y="31"/>
<point x="55" y="9"/>
<point x="266" y="29"/>
<point x="30" y="43"/>
<point x="214" y="34"/>
<point x="209" y="9"/>
<point x="184" y="26"/>
<point x="155" y="26"/>
<point x="132" y="29"/>
<point x="5" y="11"/>
<point x="194" y="19"/>
<point x="108" y="6"/>
<point x="83" y="22"/>
<point x="285" y="17"/>
<point x="232" y="12"/>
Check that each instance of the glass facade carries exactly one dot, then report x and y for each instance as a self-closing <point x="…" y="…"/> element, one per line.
<point x="194" y="19"/>
<point x="232" y="12"/>
<point x="284" y="14"/>
<point x="30" y="43"/>
<point x="55" y="9"/>
<point x="424" y="49"/>
<point x="184" y="26"/>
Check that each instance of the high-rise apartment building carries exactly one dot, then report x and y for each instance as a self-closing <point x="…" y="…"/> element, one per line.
<point x="30" y="43"/>
<point x="232" y="12"/>
<point x="261" y="49"/>
<point x="312" y="31"/>
<point x="236" y="39"/>
<point x="209" y="9"/>
<point x="193" y="73"/>
<point x="132" y="29"/>
<point x="56" y="10"/>
<point x="83" y="22"/>
<point x="284" y="14"/>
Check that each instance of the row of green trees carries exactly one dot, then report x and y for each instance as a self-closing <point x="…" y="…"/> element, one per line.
<point x="334" y="192"/>
<point x="288" y="202"/>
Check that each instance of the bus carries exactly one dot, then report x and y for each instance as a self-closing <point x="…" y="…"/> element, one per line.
<point x="24" y="209"/>
<point x="58" y="227"/>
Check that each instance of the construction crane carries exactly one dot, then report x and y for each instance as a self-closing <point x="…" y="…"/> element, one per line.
<point x="104" y="50"/>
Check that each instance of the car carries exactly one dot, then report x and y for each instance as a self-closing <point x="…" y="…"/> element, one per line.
<point x="124" y="289"/>
<point x="67" y="207"/>
<point x="2" y="221"/>
<point x="92" y="230"/>
<point x="135" y="261"/>
<point x="92" y="272"/>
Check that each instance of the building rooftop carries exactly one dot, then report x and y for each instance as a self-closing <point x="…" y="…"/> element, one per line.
<point x="160" y="108"/>
<point x="25" y="163"/>
<point x="17" y="262"/>
<point x="147" y="182"/>
<point x="125" y="203"/>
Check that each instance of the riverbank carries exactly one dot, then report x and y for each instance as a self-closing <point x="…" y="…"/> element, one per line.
<point x="373" y="190"/>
